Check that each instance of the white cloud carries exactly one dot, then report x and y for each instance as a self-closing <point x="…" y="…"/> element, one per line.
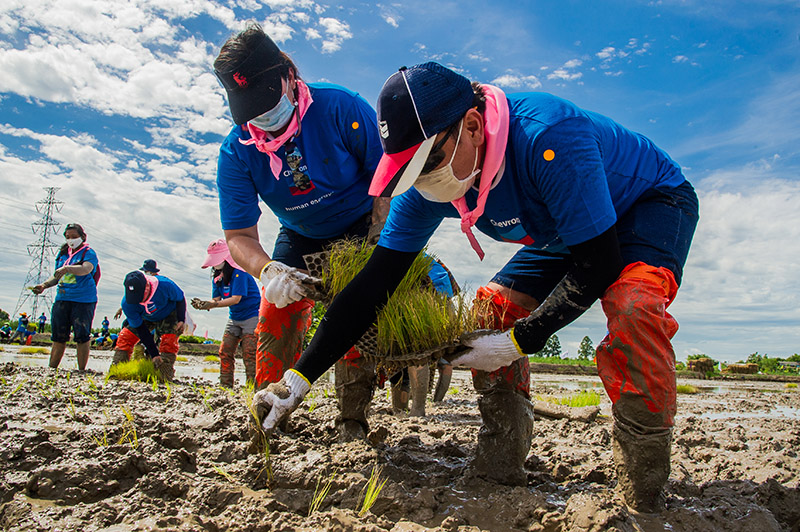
<point x="516" y="81"/>
<point x="336" y="32"/>
<point x="680" y="59"/>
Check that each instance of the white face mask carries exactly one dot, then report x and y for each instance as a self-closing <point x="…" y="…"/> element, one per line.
<point x="277" y="117"/>
<point x="74" y="243"/>
<point x="442" y="185"/>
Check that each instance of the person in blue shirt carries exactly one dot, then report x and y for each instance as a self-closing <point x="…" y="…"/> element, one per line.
<point x="104" y="326"/>
<point x="151" y="303"/>
<point x="76" y="296"/>
<point x="5" y="331"/>
<point x="21" y="333"/>
<point x="40" y="322"/>
<point x="235" y="289"/>
<point x="597" y="212"/>
<point x="308" y="151"/>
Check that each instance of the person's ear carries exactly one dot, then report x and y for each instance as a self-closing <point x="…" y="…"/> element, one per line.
<point x="473" y="127"/>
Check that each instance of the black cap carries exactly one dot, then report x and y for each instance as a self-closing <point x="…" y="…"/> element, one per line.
<point x="150" y="266"/>
<point x="254" y="86"/>
<point x="134" y="287"/>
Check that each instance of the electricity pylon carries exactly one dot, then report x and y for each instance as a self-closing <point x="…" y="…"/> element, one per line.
<point x="41" y="253"/>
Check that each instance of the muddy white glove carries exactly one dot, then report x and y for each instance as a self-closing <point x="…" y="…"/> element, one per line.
<point x="280" y="399"/>
<point x="488" y="350"/>
<point x="284" y="285"/>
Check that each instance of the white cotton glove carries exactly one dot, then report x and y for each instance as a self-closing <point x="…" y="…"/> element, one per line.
<point x="280" y="399"/>
<point x="488" y="350"/>
<point x="284" y="285"/>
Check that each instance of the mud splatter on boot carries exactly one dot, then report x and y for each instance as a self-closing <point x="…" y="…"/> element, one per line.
<point x="642" y="461"/>
<point x="120" y="356"/>
<point x="354" y="388"/>
<point x="249" y="356"/>
<point x="227" y="354"/>
<point x="504" y="438"/>
<point x="167" y="366"/>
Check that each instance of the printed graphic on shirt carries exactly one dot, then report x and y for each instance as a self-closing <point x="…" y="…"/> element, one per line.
<point x="299" y="171"/>
<point x="512" y="231"/>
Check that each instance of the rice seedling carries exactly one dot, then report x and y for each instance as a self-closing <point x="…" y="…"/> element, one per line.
<point x="453" y="390"/>
<point x="211" y="358"/>
<point x="321" y="494"/>
<point x="15" y="390"/>
<point x="154" y="381"/>
<point x="130" y="433"/>
<point x="2" y="349"/>
<point x="584" y="398"/>
<point x="181" y="359"/>
<point x="791" y="385"/>
<point x="247" y="395"/>
<point x="210" y="370"/>
<point x="32" y="350"/>
<point x="313" y="405"/>
<point x="168" y="386"/>
<point x="416" y="318"/>
<point x="92" y="385"/>
<point x="104" y="441"/>
<point x="687" y="388"/>
<point x="134" y="370"/>
<point x="372" y="490"/>
<point x="3" y="381"/>
<point x="223" y="473"/>
<point x="203" y="393"/>
<point x="72" y="409"/>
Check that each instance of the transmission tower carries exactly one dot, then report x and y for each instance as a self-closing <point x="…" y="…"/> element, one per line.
<point x="41" y="253"/>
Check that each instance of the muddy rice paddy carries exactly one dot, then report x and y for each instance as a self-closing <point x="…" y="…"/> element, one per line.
<point x="77" y="453"/>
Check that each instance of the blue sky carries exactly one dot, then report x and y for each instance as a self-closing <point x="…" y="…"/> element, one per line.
<point x="116" y="103"/>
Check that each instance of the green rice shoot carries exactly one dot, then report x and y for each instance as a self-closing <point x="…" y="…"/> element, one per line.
<point x="211" y="358"/>
<point x="417" y="317"/>
<point x="687" y="388"/>
<point x="791" y="385"/>
<point x="134" y="370"/>
<point x="372" y="490"/>
<point x="33" y="350"/>
<point x="576" y="400"/>
<point x="180" y="358"/>
<point x="321" y="494"/>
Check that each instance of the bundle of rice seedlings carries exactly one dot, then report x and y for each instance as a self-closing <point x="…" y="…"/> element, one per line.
<point x="687" y="388"/>
<point x="417" y="319"/>
<point x="134" y="370"/>
<point x="33" y="350"/>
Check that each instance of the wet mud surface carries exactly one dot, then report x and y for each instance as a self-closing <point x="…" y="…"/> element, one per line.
<point x="77" y="453"/>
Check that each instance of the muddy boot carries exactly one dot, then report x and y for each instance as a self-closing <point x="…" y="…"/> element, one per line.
<point x="505" y="437"/>
<point x="120" y="356"/>
<point x="641" y="458"/>
<point x="399" y="398"/>
<point x="167" y="366"/>
<point x="227" y="354"/>
<point x="354" y="388"/>
<point x="418" y="380"/>
<point x="249" y="357"/>
<point x="445" y="375"/>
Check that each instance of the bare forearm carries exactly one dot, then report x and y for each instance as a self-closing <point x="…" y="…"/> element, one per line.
<point x="79" y="269"/>
<point x="227" y="302"/>
<point x="246" y="250"/>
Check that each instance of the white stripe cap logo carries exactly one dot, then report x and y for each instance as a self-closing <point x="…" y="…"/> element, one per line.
<point x="384" y="129"/>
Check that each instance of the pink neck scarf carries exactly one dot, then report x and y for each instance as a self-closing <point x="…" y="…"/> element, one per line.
<point x="71" y="253"/>
<point x="496" y="135"/>
<point x="265" y="144"/>
<point x="152" y="282"/>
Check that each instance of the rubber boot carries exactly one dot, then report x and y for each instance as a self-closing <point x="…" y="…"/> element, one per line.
<point x="418" y="380"/>
<point x="227" y="355"/>
<point x="249" y="357"/>
<point x="642" y="461"/>
<point x="445" y="375"/>
<point x="399" y="398"/>
<point x="120" y="356"/>
<point x="354" y="388"/>
<point x="167" y="366"/>
<point x="505" y="437"/>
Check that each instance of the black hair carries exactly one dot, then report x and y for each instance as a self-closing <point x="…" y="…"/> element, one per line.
<point x="479" y="98"/>
<point x="227" y="274"/>
<point x="81" y="233"/>
<point x="237" y="48"/>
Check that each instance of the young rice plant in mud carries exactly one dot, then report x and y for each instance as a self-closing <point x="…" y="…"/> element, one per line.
<point x="263" y="441"/>
<point x="372" y="490"/>
<point x="33" y="350"/>
<point x="583" y="398"/>
<point x="130" y="433"/>
<point x="687" y="388"/>
<point x="134" y="370"/>
<point x="211" y="358"/>
<point x="221" y="472"/>
<point x="791" y="385"/>
<point x="320" y="494"/>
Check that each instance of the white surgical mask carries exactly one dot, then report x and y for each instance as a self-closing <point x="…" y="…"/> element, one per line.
<point x="74" y="243"/>
<point x="275" y="118"/>
<point x="442" y="185"/>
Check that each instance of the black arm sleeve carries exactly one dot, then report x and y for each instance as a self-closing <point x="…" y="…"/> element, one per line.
<point x="354" y="309"/>
<point x="146" y="337"/>
<point x="596" y="265"/>
<point x="180" y="310"/>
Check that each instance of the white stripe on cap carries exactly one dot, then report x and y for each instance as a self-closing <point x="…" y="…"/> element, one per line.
<point x="414" y="104"/>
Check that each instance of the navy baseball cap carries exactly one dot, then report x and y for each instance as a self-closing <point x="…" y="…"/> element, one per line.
<point x="150" y="266"/>
<point x="134" y="287"/>
<point x="254" y="86"/>
<point x="414" y="105"/>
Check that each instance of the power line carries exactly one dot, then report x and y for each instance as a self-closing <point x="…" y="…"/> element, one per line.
<point x="41" y="252"/>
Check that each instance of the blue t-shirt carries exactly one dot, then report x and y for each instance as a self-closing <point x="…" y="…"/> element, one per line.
<point x="160" y="306"/>
<point x="77" y="288"/>
<point x="568" y="175"/>
<point x="336" y="154"/>
<point x="242" y="284"/>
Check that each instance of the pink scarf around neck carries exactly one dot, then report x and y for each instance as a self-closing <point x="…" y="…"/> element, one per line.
<point x="268" y="145"/>
<point x="496" y="120"/>
<point x="152" y="282"/>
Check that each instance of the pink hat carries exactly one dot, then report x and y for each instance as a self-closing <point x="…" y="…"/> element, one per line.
<point x="218" y="252"/>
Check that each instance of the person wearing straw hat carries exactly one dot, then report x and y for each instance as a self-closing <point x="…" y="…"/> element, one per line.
<point x="597" y="211"/>
<point x="308" y="151"/>
<point x="235" y="289"/>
